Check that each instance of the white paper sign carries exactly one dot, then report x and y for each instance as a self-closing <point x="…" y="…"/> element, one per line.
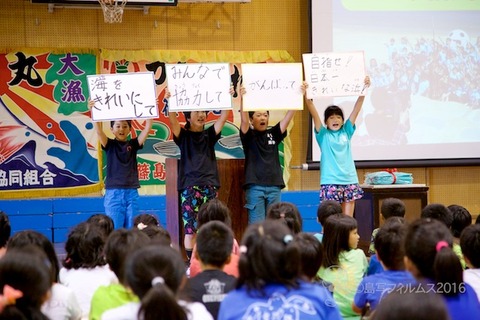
<point x="199" y="86"/>
<point x="272" y="86"/>
<point x="334" y="74"/>
<point x="123" y="96"/>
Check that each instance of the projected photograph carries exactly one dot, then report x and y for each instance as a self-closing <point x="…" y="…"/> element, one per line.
<point x="424" y="64"/>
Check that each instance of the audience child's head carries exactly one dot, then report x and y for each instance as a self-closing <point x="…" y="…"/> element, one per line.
<point x="29" y="238"/>
<point x="158" y="234"/>
<point x="477" y="220"/>
<point x="392" y="207"/>
<point x="326" y="209"/>
<point x="120" y="244"/>
<point x="25" y="283"/>
<point x="339" y="234"/>
<point x="461" y="219"/>
<point x="155" y="274"/>
<point x="102" y="221"/>
<point x="470" y="244"/>
<point x="429" y="254"/>
<point x="268" y="255"/>
<point x="145" y="220"/>
<point x="406" y="305"/>
<point x="214" y="244"/>
<point x="84" y="247"/>
<point x="5" y="230"/>
<point x="389" y="243"/>
<point x="214" y="209"/>
<point x="438" y="212"/>
<point x="287" y="213"/>
<point x="311" y="254"/>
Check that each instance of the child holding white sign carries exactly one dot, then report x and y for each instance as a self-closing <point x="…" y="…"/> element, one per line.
<point x="198" y="179"/>
<point x="263" y="172"/>
<point x="121" y="182"/>
<point x="339" y="180"/>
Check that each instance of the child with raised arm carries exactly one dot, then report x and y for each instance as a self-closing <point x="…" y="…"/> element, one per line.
<point x="263" y="172"/>
<point x="198" y="180"/>
<point x="121" y="183"/>
<point x="339" y="180"/>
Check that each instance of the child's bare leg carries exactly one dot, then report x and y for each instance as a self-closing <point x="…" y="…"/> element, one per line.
<point x="348" y="208"/>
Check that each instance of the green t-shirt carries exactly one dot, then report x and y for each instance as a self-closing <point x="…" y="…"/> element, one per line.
<point x="345" y="279"/>
<point x="109" y="297"/>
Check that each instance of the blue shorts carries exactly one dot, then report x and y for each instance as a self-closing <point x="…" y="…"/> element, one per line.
<point x="341" y="192"/>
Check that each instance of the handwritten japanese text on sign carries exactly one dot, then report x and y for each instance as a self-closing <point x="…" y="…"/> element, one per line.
<point x="272" y="86"/>
<point x="123" y="96"/>
<point x="334" y="74"/>
<point x="199" y="86"/>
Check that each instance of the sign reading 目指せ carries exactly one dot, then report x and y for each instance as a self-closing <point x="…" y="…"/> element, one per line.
<point x="199" y="86"/>
<point x="334" y="74"/>
<point x="123" y="96"/>
<point x="272" y="86"/>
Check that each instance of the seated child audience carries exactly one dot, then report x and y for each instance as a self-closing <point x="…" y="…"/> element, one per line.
<point x="461" y="219"/>
<point x="391" y="207"/>
<point x="270" y="284"/>
<point x="430" y="258"/>
<point x="286" y="212"/>
<point x="150" y="225"/>
<point x="344" y="265"/>
<point x="62" y="303"/>
<point x="103" y="222"/>
<point x="214" y="250"/>
<point x="216" y="210"/>
<point x="407" y="305"/>
<point x="84" y="267"/>
<point x="25" y="283"/>
<point x="120" y="244"/>
<point x="325" y="210"/>
<point x="389" y="248"/>
<point x="5" y="232"/>
<point x="145" y="220"/>
<point x="155" y="273"/>
<point x="470" y="244"/>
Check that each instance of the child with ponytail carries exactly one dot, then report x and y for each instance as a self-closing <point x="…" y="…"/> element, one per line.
<point x="431" y="260"/>
<point x="155" y="274"/>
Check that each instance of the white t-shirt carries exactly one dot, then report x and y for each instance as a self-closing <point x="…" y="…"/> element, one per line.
<point x="62" y="304"/>
<point x="84" y="282"/>
<point x="129" y="311"/>
<point x="472" y="277"/>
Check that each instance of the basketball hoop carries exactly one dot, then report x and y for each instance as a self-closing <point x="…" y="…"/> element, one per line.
<point x="112" y="10"/>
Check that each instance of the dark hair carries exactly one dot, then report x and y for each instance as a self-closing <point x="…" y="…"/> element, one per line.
<point x="326" y="209"/>
<point x="214" y="243"/>
<point x="112" y="122"/>
<point x="25" y="270"/>
<point x="5" y="229"/>
<point x="421" y="304"/>
<point x="268" y="256"/>
<point x="470" y="244"/>
<point x="119" y="245"/>
<point x="438" y="212"/>
<point x="147" y="219"/>
<point x="104" y="222"/>
<point x="213" y="209"/>
<point x="288" y="213"/>
<point x="158" y="235"/>
<point x="251" y="113"/>
<point x="461" y="218"/>
<point x="441" y="265"/>
<point x="311" y="254"/>
<point x="188" y="115"/>
<point x="392" y="207"/>
<point x="389" y="243"/>
<point x="336" y="234"/>
<point x="155" y="273"/>
<point x="28" y="238"/>
<point x="477" y="220"/>
<point x="333" y="110"/>
<point x="84" y="247"/>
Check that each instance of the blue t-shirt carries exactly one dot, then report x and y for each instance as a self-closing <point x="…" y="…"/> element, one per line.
<point x="336" y="162"/>
<point x="309" y="301"/>
<point x="374" y="266"/>
<point x="373" y="288"/>
<point x="464" y="305"/>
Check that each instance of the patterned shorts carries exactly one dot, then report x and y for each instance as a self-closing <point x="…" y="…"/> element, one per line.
<point x="341" y="192"/>
<point x="191" y="199"/>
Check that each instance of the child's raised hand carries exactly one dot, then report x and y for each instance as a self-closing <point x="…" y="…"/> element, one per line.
<point x="91" y="104"/>
<point x="167" y="93"/>
<point x="242" y="90"/>
<point x="367" y="81"/>
<point x="304" y="87"/>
